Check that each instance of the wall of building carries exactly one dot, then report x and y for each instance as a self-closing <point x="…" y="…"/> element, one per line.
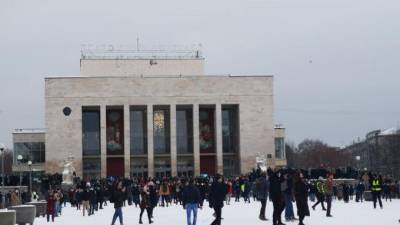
<point x="129" y="67"/>
<point x="253" y="94"/>
<point x="28" y="137"/>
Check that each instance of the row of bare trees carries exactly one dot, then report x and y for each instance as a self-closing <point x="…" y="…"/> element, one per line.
<point x="316" y="154"/>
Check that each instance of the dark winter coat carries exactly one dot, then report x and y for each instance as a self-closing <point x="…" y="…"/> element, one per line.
<point x="85" y="195"/>
<point x="217" y="194"/>
<point x="118" y="197"/>
<point x="262" y="188"/>
<point x="301" y="196"/>
<point x="50" y="205"/>
<point x="153" y="196"/>
<point x="275" y="188"/>
<point x="145" y="201"/>
<point x="191" y="195"/>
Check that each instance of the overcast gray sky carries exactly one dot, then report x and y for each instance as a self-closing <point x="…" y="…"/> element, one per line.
<point x="335" y="62"/>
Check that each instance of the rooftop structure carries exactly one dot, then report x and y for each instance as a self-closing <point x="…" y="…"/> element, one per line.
<point x="124" y="52"/>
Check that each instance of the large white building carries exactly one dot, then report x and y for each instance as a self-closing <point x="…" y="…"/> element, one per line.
<point x="156" y="113"/>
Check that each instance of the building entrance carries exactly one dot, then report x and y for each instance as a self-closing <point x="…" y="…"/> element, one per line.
<point x="115" y="167"/>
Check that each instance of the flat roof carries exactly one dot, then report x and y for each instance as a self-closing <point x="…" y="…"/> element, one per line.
<point x="162" y="76"/>
<point x="118" y="52"/>
<point x="29" y="131"/>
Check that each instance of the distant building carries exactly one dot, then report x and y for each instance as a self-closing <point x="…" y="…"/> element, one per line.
<point x="30" y="144"/>
<point x="378" y="152"/>
<point x="155" y="113"/>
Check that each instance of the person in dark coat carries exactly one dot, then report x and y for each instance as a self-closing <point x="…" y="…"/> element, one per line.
<point x="203" y="190"/>
<point x="346" y="193"/>
<point x="136" y="194"/>
<point x="216" y="197"/>
<point x="300" y="194"/>
<point x="85" y="200"/>
<point x="276" y="194"/>
<point x="153" y="197"/>
<point x="262" y="194"/>
<point x="288" y="197"/>
<point x="145" y="205"/>
<point x="100" y="196"/>
<point x="92" y="201"/>
<point x="191" y="201"/>
<point x="360" y="188"/>
<point x="50" y="210"/>
<point x="118" y="198"/>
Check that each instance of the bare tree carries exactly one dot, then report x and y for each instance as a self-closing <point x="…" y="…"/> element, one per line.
<point x="8" y="161"/>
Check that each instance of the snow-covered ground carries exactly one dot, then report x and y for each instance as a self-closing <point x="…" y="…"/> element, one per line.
<point x="239" y="214"/>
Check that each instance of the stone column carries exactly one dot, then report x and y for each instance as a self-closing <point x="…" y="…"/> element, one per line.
<point x="103" y="140"/>
<point x="150" y="148"/>
<point x="218" y="130"/>
<point x="127" y="141"/>
<point x="173" y="140"/>
<point x="196" y="140"/>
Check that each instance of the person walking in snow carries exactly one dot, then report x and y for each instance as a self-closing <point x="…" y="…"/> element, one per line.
<point x="216" y="198"/>
<point x="320" y="194"/>
<point x="145" y="205"/>
<point x="118" y="198"/>
<point x="276" y="194"/>
<point x="262" y="194"/>
<point x="376" y="188"/>
<point x="191" y="201"/>
<point x="328" y="194"/>
<point x="301" y="194"/>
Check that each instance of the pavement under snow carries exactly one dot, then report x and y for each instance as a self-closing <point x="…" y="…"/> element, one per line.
<point x="238" y="214"/>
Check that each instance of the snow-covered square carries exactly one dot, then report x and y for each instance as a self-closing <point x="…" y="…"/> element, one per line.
<point x="238" y="214"/>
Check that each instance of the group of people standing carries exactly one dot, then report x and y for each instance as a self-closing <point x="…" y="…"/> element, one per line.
<point x="283" y="188"/>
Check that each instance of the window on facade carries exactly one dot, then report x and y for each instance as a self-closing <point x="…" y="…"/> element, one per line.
<point x="139" y="167"/>
<point x="162" y="167"/>
<point x="184" y="130"/>
<point x="91" y="132"/>
<point x="230" y="124"/>
<point x="30" y="151"/>
<point x="207" y="129"/>
<point x="161" y="130"/>
<point x="279" y="148"/>
<point x="91" y="168"/>
<point x="231" y="166"/>
<point x="185" y="166"/>
<point x="115" y="131"/>
<point x="138" y="129"/>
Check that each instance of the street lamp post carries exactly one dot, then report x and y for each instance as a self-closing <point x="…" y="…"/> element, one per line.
<point x="358" y="158"/>
<point x="3" y="193"/>
<point x="30" y="176"/>
<point x="19" y="158"/>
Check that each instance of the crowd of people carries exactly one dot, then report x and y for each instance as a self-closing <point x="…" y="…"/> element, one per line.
<point x="282" y="187"/>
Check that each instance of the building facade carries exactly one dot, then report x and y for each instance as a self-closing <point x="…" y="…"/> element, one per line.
<point x="378" y="152"/>
<point x="157" y="116"/>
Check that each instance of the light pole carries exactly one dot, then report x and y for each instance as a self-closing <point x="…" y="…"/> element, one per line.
<point x="30" y="176"/>
<point x="3" y="193"/>
<point x="19" y="159"/>
<point x="358" y="158"/>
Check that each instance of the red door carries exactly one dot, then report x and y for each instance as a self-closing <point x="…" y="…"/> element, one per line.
<point x="115" y="167"/>
<point x="208" y="165"/>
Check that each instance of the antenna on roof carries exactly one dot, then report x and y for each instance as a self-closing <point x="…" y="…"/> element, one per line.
<point x="137" y="43"/>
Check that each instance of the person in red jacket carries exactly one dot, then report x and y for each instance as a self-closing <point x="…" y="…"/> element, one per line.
<point x="230" y="191"/>
<point x="51" y="202"/>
